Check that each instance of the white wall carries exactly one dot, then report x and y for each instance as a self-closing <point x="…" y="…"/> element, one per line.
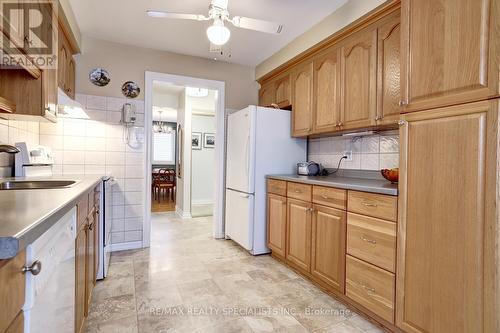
<point x="12" y="131"/>
<point x="203" y="163"/>
<point x="126" y="63"/>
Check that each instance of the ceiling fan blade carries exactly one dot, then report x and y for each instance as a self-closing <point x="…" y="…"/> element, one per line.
<point x="161" y="14"/>
<point x="257" y="25"/>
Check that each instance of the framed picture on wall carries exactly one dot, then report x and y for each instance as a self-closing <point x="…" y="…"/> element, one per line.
<point x="196" y="141"/>
<point x="209" y="140"/>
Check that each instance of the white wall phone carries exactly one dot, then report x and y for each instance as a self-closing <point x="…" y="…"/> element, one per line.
<point x="128" y="114"/>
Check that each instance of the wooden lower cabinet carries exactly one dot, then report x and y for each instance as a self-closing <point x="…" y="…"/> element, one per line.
<point x="86" y="256"/>
<point x="447" y="270"/>
<point x="298" y="247"/>
<point x="370" y="286"/>
<point x="328" y="246"/>
<point x="12" y="290"/>
<point x="276" y="225"/>
<point x="80" y="277"/>
<point x="17" y="326"/>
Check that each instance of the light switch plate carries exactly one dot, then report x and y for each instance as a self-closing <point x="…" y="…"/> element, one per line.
<point x="348" y="153"/>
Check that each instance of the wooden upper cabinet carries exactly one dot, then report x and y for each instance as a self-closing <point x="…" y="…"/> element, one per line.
<point x="389" y="70"/>
<point x="450" y="52"/>
<point x="448" y="225"/>
<point x="276" y="223"/>
<point x="298" y="245"/>
<point x="328" y="246"/>
<point x="267" y="94"/>
<point x="283" y="91"/>
<point x="302" y="100"/>
<point x="71" y="72"/>
<point x="326" y="91"/>
<point x="359" y="78"/>
<point x="66" y="65"/>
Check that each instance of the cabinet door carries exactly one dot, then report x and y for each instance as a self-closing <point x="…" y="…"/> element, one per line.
<point x="283" y="91"/>
<point x="328" y="246"/>
<point x="70" y="81"/>
<point x="389" y="70"/>
<point x="326" y="115"/>
<point x="298" y="245"/>
<point x="96" y="243"/>
<point x="450" y="52"/>
<point x="267" y="94"/>
<point x="12" y="23"/>
<point x="302" y="100"/>
<point x="448" y="222"/>
<point x="80" y="261"/>
<point x="276" y="223"/>
<point x="359" y="73"/>
<point x="89" y="257"/>
<point x="62" y="60"/>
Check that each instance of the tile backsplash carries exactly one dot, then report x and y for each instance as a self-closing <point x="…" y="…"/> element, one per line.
<point x="374" y="152"/>
<point x="95" y="146"/>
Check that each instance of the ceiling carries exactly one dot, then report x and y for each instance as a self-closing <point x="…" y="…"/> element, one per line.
<point x="126" y="22"/>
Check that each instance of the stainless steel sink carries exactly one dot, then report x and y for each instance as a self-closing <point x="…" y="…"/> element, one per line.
<point x="35" y="184"/>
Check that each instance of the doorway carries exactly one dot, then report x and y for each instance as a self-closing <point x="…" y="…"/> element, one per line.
<point x="199" y="140"/>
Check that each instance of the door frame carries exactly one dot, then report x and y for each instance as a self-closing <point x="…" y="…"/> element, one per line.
<point x="220" y="165"/>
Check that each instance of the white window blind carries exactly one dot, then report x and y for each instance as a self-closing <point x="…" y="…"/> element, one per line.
<point x="164" y="148"/>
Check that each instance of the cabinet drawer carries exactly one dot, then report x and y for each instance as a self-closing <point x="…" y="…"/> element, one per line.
<point x="372" y="240"/>
<point x="12" y="282"/>
<point x="376" y="205"/>
<point x="370" y="286"/>
<point x="276" y="187"/>
<point x="331" y="197"/>
<point x="299" y="191"/>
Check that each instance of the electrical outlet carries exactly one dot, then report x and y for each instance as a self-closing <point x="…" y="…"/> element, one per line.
<point x="348" y="154"/>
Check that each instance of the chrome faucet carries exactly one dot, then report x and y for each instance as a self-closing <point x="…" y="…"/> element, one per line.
<point x="9" y="149"/>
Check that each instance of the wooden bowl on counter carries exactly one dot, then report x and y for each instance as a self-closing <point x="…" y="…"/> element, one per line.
<point x="391" y="175"/>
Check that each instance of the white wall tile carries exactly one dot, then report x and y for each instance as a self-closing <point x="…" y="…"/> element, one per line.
<point x="389" y="160"/>
<point x="134" y="171"/>
<point x="97" y="115"/>
<point x="73" y="143"/>
<point x="370" y="161"/>
<point x="95" y="129"/>
<point x="73" y="157"/>
<point x="55" y="142"/>
<point x="115" y="144"/>
<point x="119" y="198"/>
<point x="118" y="212"/>
<point x="370" y="144"/>
<point x="133" y="224"/>
<point x="95" y="144"/>
<point x="52" y="128"/>
<point x="132" y="236"/>
<point x="133" y="211"/>
<point x="134" y="198"/>
<point x="133" y="185"/>
<point x="70" y="169"/>
<point x="95" y="158"/>
<point x="74" y="127"/>
<point x="117" y="237"/>
<point x="115" y="158"/>
<point x="113" y="117"/>
<point x="95" y="169"/>
<point x="389" y="144"/>
<point x="82" y="99"/>
<point x="117" y="225"/>
<point x="134" y="158"/>
<point x="114" y="131"/>
<point x="118" y="171"/>
<point x="114" y="103"/>
<point x="96" y="102"/>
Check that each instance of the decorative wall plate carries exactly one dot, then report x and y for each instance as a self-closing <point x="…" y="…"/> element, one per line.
<point x="130" y="89"/>
<point x="100" y="77"/>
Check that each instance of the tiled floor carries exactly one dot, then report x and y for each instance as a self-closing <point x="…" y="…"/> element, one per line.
<point x="189" y="282"/>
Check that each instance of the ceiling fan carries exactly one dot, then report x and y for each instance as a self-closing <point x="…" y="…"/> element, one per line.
<point x="218" y="33"/>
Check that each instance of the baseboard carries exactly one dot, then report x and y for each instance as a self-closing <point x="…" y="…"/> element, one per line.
<point x="125" y="246"/>
<point x="182" y="214"/>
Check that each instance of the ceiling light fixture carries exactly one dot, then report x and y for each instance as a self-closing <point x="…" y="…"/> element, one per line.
<point x="217" y="33"/>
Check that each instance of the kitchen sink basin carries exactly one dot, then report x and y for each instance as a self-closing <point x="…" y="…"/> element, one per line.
<point x="35" y="184"/>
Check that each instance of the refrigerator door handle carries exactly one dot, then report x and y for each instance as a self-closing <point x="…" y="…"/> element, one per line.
<point x="246" y="196"/>
<point x="247" y="157"/>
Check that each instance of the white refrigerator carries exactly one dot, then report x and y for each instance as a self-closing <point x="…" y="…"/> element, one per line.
<point x="259" y="143"/>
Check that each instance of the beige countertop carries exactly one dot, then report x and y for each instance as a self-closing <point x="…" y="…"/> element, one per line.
<point x="26" y="214"/>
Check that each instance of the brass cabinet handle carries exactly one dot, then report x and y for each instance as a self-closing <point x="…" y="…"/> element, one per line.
<point x="340" y="124"/>
<point x="368" y="204"/>
<point x="378" y="118"/>
<point x="310" y="210"/>
<point x="401" y="123"/>
<point x="402" y="103"/>
<point x="325" y="197"/>
<point x="298" y="191"/>
<point x="35" y="268"/>
<point x="371" y="241"/>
